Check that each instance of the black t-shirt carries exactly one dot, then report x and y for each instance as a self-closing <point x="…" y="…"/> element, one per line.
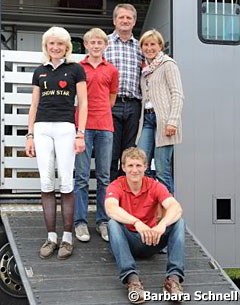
<point x="57" y="91"/>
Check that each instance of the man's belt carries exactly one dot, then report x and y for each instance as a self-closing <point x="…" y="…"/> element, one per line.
<point x="126" y="98"/>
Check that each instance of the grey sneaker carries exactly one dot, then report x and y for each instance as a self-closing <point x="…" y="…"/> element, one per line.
<point x="65" y="250"/>
<point x="82" y="232"/>
<point x="47" y="249"/>
<point x="102" y="230"/>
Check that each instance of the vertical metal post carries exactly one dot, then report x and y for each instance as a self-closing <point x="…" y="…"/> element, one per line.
<point x="0" y="104"/>
<point x="207" y="11"/>
<point x="223" y="20"/>
<point x="232" y="19"/>
<point x="216" y="19"/>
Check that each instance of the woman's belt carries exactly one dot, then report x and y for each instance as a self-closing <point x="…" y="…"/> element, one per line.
<point x="149" y="110"/>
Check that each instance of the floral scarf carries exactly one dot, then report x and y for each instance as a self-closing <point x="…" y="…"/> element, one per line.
<point x="149" y="68"/>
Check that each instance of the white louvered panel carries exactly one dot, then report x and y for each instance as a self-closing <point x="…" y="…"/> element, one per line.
<point x="14" y="141"/>
<point x="30" y="57"/>
<point x="18" y="77"/>
<point x="22" y="56"/>
<point x="30" y="184"/>
<point x="16" y="119"/>
<point x="17" y="98"/>
<point x="20" y="163"/>
<point x="22" y="183"/>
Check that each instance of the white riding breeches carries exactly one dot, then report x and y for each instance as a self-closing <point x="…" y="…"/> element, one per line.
<point x="54" y="141"/>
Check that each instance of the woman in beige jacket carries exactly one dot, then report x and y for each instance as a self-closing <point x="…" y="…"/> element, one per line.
<point x="160" y="124"/>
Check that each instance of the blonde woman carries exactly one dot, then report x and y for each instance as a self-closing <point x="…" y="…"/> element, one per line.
<point x="52" y="134"/>
<point x="160" y="124"/>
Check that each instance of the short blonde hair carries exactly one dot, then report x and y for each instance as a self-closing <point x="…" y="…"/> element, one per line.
<point x="61" y="34"/>
<point x="95" y="33"/>
<point x="126" y="6"/>
<point x="134" y="153"/>
<point x="152" y="34"/>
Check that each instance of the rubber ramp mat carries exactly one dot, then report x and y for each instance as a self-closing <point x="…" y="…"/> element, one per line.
<point x="90" y="277"/>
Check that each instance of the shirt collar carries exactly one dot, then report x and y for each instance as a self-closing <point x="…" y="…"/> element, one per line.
<point x="116" y="37"/>
<point x="85" y="61"/>
<point x="144" y="187"/>
<point x="51" y="64"/>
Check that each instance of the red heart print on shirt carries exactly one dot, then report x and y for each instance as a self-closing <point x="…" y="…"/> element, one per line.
<point x="62" y="84"/>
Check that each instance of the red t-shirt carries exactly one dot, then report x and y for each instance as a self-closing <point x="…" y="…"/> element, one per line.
<point x="101" y="81"/>
<point x="144" y="204"/>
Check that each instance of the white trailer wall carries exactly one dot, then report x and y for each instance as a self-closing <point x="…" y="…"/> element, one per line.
<point x="207" y="163"/>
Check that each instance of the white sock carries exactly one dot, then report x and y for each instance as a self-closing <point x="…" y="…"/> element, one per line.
<point x="52" y="236"/>
<point x="67" y="236"/>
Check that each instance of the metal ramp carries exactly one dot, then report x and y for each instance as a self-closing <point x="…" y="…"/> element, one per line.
<point x="90" y="277"/>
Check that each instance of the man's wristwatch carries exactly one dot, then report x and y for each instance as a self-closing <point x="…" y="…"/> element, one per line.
<point x="80" y="134"/>
<point x="82" y="131"/>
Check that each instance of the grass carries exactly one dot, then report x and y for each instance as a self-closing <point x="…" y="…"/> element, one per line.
<point x="233" y="273"/>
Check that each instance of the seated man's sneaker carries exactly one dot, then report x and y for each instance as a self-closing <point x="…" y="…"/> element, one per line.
<point x="135" y="292"/>
<point x="102" y="230"/>
<point x="173" y="286"/>
<point x="82" y="232"/>
<point x="65" y="250"/>
<point x="47" y="249"/>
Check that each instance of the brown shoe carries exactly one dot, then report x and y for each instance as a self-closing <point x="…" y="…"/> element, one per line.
<point x="65" y="250"/>
<point x="47" y="249"/>
<point x="135" y="292"/>
<point x="173" y="286"/>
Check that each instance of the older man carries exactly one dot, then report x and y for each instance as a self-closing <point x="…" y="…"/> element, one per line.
<point x="124" y="53"/>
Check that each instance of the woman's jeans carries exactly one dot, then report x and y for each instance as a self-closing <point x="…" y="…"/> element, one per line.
<point x="101" y="141"/>
<point x="126" y="245"/>
<point x="162" y="155"/>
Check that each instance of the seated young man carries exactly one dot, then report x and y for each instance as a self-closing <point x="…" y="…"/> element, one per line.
<point x="144" y="218"/>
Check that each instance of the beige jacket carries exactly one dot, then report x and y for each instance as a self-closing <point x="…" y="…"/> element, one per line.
<point x="166" y="95"/>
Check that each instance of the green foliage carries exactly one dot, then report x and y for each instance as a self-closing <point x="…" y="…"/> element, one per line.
<point x="233" y="273"/>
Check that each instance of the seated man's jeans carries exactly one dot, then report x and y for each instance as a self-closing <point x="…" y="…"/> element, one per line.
<point x="126" y="245"/>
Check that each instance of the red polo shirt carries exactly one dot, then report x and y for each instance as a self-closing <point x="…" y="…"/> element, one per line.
<point x="144" y="204"/>
<point x="101" y="81"/>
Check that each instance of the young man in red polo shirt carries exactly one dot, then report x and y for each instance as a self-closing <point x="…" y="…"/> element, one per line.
<point x="102" y="88"/>
<point x="144" y="219"/>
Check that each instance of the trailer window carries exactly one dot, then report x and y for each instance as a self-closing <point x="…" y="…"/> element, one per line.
<point x="219" y="21"/>
<point x="223" y="210"/>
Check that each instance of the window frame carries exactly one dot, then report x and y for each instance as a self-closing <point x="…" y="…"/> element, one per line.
<point x="211" y="41"/>
<point x="232" y="211"/>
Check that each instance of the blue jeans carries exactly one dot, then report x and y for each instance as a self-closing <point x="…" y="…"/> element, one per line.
<point x="126" y="114"/>
<point x="101" y="142"/>
<point x="126" y="245"/>
<point x="162" y="155"/>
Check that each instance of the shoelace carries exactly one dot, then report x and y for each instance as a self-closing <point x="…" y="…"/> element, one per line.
<point x="48" y="243"/>
<point x="172" y="284"/>
<point x="66" y="245"/>
<point x="134" y="285"/>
